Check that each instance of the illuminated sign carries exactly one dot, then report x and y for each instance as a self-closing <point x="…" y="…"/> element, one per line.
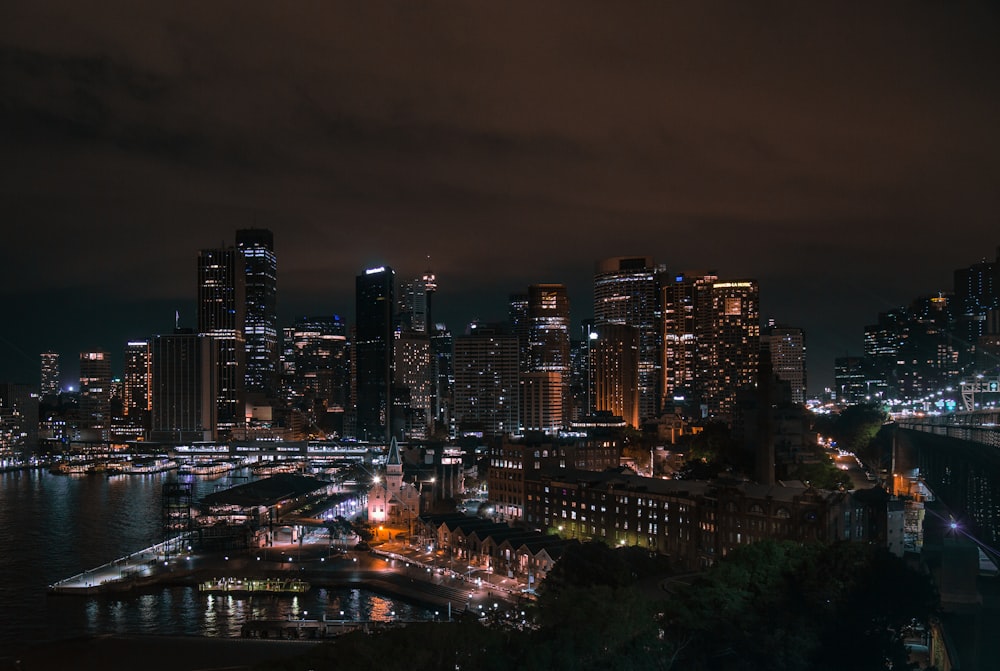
<point x="373" y="271"/>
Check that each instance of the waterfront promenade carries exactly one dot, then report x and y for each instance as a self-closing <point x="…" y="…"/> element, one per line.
<point x="393" y="568"/>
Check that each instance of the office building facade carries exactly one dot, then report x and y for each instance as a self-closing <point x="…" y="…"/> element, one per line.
<point x="260" y="329"/>
<point x="373" y="349"/>
<point x="626" y="292"/>
<point x="486" y="373"/>
<point x="787" y="347"/>
<point x="222" y="317"/>
<point x="137" y="385"/>
<point x="184" y="374"/>
<point x="548" y="340"/>
<point x="50" y="374"/>
<point x="95" y="393"/>
<point x="614" y="363"/>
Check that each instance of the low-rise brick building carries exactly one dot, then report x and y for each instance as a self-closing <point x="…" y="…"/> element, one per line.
<point x="693" y="522"/>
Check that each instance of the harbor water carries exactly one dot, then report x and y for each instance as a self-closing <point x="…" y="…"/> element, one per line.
<point x="55" y="526"/>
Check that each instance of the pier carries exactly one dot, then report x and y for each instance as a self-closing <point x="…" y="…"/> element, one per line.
<point x="137" y="569"/>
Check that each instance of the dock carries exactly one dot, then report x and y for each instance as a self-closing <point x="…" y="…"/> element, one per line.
<point x="293" y="586"/>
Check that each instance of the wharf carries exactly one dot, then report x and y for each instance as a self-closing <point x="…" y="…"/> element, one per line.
<point x="385" y="569"/>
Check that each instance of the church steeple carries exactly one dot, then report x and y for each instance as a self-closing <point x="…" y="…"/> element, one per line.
<point x="393" y="468"/>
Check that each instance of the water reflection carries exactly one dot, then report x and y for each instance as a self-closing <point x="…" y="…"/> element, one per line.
<point x="185" y="611"/>
<point x="61" y="526"/>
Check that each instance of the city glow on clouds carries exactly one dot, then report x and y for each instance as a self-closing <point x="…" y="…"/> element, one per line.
<point x="846" y="158"/>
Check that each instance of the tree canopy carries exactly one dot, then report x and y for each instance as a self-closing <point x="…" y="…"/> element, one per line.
<point x="771" y="605"/>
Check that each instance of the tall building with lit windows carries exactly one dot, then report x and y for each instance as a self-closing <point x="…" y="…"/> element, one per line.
<point x="137" y="386"/>
<point x="548" y="338"/>
<point x="485" y="366"/>
<point x="18" y="417"/>
<point x="733" y="343"/>
<point x="977" y="291"/>
<point x="50" y="374"/>
<point x="787" y="346"/>
<point x="541" y="402"/>
<point x="412" y="379"/>
<point x="222" y="317"/>
<point x="319" y="363"/>
<point x="373" y="349"/>
<point x="711" y="341"/>
<point x="626" y="292"/>
<point x="95" y="392"/>
<point x="415" y="303"/>
<point x="260" y="329"/>
<point x="687" y="325"/>
<point x="517" y="317"/>
<point x="614" y="361"/>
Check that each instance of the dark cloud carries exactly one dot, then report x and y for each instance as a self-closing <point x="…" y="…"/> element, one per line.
<point x="844" y="155"/>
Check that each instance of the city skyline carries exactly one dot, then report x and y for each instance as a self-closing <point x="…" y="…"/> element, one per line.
<point x="845" y="159"/>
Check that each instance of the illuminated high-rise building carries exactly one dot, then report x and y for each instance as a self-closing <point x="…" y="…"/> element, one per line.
<point x="373" y="345"/>
<point x="95" y="391"/>
<point x="442" y="345"/>
<point x="221" y="316"/>
<point x="412" y="378"/>
<point x="260" y="329"/>
<point x="517" y="317"/>
<point x="787" y="346"/>
<point x="183" y="386"/>
<point x="541" y="402"/>
<point x="548" y="337"/>
<point x="137" y="386"/>
<point x="18" y="417"/>
<point x="415" y="303"/>
<point x="687" y="325"/>
<point x="486" y="381"/>
<point x="711" y="340"/>
<point x="50" y="374"/>
<point x="614" y="365"/>
<point x="320" y="363"/>
<point x="626" y="292"/>
<point x="733" y="344"/>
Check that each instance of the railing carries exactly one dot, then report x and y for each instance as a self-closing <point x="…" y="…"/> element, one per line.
<point x="124" y="567"/>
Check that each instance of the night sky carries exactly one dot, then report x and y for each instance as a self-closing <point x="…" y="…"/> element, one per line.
<point x="845" y="155"/>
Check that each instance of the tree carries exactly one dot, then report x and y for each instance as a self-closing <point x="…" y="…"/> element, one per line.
<point x="822" y="475"/>
<point x="782" y="605"/>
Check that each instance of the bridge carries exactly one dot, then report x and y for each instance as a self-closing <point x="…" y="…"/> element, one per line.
<point x="958" y="457"/>
<point x="977" y="426"/>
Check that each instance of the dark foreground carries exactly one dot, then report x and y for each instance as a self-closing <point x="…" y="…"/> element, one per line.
<point x="151" y="653"/>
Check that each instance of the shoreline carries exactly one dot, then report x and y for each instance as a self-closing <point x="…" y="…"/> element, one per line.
<point x="378" y="573"/>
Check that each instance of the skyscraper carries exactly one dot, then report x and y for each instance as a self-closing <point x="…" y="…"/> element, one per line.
<point x="787" y="346"/>
<point x="442" y="346"/>
<point x="183" y="383"/>
<point x="50" y="374"/>
<point x="548" y="337"/>
<point x="626" y="292"/>
<point x="517" y="317"/>
<point x="18" y="417"/>
<point x="260" y="330"/>
<point x="541" y="402"/>
<point x="687" y="324"/>
<point x="733" y="344"/>
<point x="412" y="375"/>
<point x="486" y="382"/>
<point x="373" y="345"/>
<point x="221" y="316"/>
<point x="95" y="392"/>
<point x="614" y="360"/>
<point x="320" y="360"/>
<point x="415" y="303"/>
<point x="137" y="385"/>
